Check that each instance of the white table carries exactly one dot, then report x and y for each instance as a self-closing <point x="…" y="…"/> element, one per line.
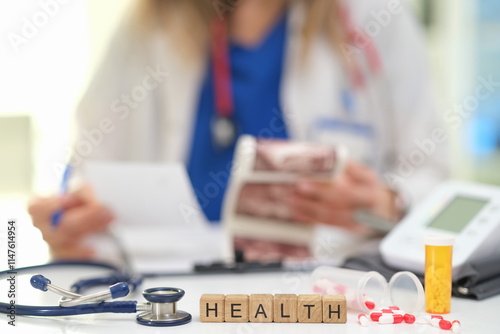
<point x="476" y="317"/>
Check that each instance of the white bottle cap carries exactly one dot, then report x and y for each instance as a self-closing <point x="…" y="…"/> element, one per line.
<point x="439" y="240"/>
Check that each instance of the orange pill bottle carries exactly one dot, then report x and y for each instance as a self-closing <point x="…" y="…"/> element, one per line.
<point x="438" y="273"/>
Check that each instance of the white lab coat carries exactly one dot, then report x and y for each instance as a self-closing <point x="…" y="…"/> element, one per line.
<point x="397" y="104"/>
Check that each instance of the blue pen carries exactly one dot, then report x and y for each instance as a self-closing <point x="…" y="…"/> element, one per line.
<point x="56" y="218"/>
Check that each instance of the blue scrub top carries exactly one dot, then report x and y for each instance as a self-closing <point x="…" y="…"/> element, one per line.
<point x="256" y="84"/>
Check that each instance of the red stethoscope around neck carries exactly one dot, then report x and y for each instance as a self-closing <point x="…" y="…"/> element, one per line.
<point x="223" y="126"/>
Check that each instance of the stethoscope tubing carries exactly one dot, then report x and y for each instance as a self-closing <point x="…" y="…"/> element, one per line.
<point x="57" y="311"/>
<point x="108" y="307"/>
<point x="52" y="311"/>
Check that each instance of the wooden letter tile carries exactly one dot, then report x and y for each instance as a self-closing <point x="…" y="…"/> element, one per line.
<point x="309" y="308"/>
<point x="285" y="308"/>
<point x="261" y="308"/>
<point x="212" y="308"/>
<point x="334" y="309"/>
<point x="236" y="308"/>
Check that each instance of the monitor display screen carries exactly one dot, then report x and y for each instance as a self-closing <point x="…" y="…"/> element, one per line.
<point x="459" y="212"/>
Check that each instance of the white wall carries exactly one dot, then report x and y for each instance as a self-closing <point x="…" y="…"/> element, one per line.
<point x="48" y="50"/>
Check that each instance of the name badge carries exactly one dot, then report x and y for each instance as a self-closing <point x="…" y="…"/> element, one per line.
<point x="357" y="137"/>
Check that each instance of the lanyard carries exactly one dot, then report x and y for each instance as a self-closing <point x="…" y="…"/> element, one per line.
<point x="223" y="127"/>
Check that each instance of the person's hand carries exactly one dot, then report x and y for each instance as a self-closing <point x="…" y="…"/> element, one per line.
<point x="335" y="202"/>
<point x="82" y="216"/>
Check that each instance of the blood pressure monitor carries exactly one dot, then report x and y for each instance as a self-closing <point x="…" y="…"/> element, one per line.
<point x="469" y="212"/>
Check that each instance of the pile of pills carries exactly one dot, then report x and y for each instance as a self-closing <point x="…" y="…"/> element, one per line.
<point x="393" y="315"/>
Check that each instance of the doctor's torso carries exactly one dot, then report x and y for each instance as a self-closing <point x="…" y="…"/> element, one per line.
<point x="146" y="93"/>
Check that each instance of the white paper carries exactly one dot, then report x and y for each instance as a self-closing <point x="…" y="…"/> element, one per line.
<point x="158" y="218"/>
<point x="142" y="194"/>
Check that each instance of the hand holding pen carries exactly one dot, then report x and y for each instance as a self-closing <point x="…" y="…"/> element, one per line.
<point x="65" y="221"/>
<point x="56" y="218"/>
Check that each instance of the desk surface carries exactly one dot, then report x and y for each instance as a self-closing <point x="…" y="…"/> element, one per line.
<point x="475" y="316"/>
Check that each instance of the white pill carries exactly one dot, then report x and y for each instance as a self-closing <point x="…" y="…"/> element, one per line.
<point x="363" y="320"/>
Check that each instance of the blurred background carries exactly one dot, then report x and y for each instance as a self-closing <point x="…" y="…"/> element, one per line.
<point x="43" y="75"/>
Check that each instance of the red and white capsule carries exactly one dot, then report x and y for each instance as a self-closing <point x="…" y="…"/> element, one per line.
<point x="455" y="326"/>
<point x="388" y="318"/>
<point x="375" y="315"/>
<point x="409" y="318"/>
<point x="363" y="320"/>
<point x="370" y="304"/>
<point x="445" y="324"/>
<point x="441" y="323"/>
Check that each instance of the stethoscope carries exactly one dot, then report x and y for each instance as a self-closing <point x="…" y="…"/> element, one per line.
<point x="160" y="308"/>
<point x="223" y="126"/>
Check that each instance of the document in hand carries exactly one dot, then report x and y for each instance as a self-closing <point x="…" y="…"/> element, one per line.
<point x="158" y="218"/>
